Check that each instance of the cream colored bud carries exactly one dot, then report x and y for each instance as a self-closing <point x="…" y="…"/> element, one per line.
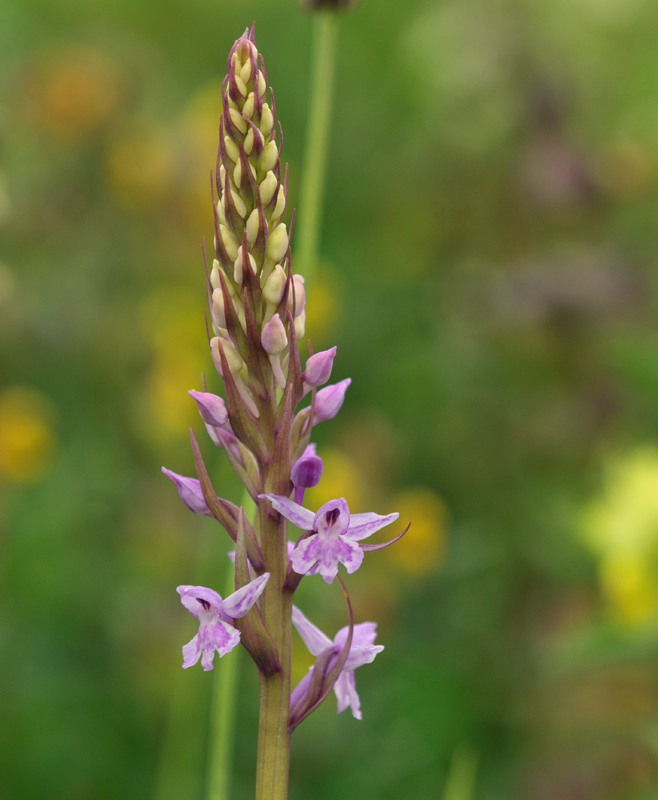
<point x="248" y="108"/>
<point x="241" y="208"/>
<point x="237" y="173"/>
<point x="222" y="175"/>
<point x="232" y="104"/>
<point x="300" y="325"/>
<point x="218" y="308"/>
<point x="261" y="84"/>
<point x="300" y="295"/>
<point x="268" y="187"/>
<point x="268" y="157"/>
<point x="238" y="273"/>
<point x="232" y="356"/>
<point x="280" y="206"/>
<point x="220" y="211"/>
<point x="237" y="118"/>
<point x="241" y="85"/>
<point x="274" y="337"/>
<point x="245" y="72"/>
<point x="274" y="286"/>
<point x="277" y="244"/>
<point x="266" y="120"/>
<point x="231" y="149"/>
<point x="214" y="274"/>
<point x="230" y="242"/>
<point x="249" y="141"/>
<point x="252" y="226"/>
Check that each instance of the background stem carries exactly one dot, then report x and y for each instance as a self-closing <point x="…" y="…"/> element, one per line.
<point x="323" y="53"/>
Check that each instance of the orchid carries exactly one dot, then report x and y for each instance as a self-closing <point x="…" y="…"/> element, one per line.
<point x="362" y="651"/>
<point x="215" y="617"/>
<point x="335" y="537"/>
<point x="257" y="315"/>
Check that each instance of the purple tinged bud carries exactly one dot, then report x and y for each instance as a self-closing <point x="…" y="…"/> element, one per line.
<point x="307" y="470"/>
<point x="318" y="367"/>
<point x="274" y="336"/>
<point x="211" y="407"/>
<point x="300" y="295"/>
<point x="190" y="492"/>
<point x="329" y="401"/>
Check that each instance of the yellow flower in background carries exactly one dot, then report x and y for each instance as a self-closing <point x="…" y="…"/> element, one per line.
<point x="27" y="438"/>
<point x="621" y="528"/>
<point x="423" y="547"/>
<point x="140" y="165"/>
<point x="341" y="478"/>
<point x="171" y="318"/>
<point x="630" y="586"/>
<point x="72" y="91"/>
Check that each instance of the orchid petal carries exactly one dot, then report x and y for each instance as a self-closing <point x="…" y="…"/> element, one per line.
<point x="218" y="636"/>
<point x="346" y="694"/>
<point x="194" y="598"/>
<point x="364" y="525"/>
<point x="333" y="518"/>
<point x="298" y="515"/>
<point x="327" y="552"/>
<point x="237" y="604"/>
<point x="191" y="652"/>
<point x="314" y="639"/>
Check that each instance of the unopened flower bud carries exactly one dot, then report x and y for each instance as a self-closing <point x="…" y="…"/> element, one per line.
<point x="267" y="188"/>
<point x="219" y="315"/>
<point x="253" y="223"/>
<point x="277" y="244"/>
<point x="238" y="273"/>
<point x="237" y="119"/>
<point x="307" y="470"/>
<point x="261" y="84"/>
<point x="280" y="206"/>
<point x="299" y="295"/>
<point x="214" y="274"/>
<point x="230" y="242"/>
<point x="241" y="85"/>
<point x="266" y="120"/>
<point x="245" y="72"/>
<point x="318" y="367"/>
<point x="190" y="492"/>
<point x="269" y="157"/>
<point x="275" y="286"/>
<point x="232" y="148"/>
<point x="248" y="109"/>
<point x="329" y="401"/>
<point x="249" y="141"/>
<point x="300" y="325"/>
<point x="232" y="356"/>
<point x="211" y="407"/>
<point x="274" y="336"/>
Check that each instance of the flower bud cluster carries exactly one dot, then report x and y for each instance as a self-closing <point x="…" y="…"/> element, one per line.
<point x="252" y="264"/>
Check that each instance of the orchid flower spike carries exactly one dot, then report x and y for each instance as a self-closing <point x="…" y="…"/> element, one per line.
<point x="362" y="651"/>
<point x="335" y="535"/>
<point x="216" y="631"/>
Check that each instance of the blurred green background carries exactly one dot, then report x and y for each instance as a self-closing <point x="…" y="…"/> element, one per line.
<point x="490" y="276"/>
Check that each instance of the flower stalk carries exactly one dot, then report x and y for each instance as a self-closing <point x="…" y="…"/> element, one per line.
<point x="256" y="316"/>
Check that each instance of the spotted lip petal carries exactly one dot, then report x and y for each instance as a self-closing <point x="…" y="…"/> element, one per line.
<point x="298" y="515"/>
<point x="326" y="552"/>
<point x="193" y="598"/>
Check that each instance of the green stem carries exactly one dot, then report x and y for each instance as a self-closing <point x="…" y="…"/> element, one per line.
<point x="222" y="722"/>
<point x="273" y="734"/>
<point x="325" y="30"/>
